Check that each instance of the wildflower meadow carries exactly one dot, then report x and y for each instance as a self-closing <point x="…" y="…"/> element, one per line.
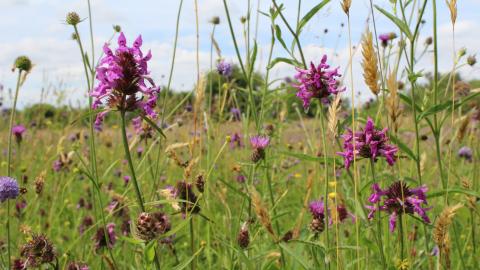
<point x="365" y="157"/>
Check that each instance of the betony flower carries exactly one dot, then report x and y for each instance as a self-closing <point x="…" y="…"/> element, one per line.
<point x="466" y="153"/>
<point x="398" y="199"/>
<point x="8" y="188"/>
<point x="124" y="81"/>
<point x="367" y="143"/>
<point x="18" y="131"/>
<point x="317" y="82"/>
<point x="100" y="239"/>
<point x="224" y="68"/>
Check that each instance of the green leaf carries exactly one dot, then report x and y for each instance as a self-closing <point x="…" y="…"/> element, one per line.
<point x="278" y="34"/>
<point x="453" y="190"/>
<point x="402" y="25"/>
<point x="187" y="262"/>
<point x="403" y="147"/>
<point x="253" y="57"/>
<point x="310" y="15"/>
<point x="284" y="60"/>
<point x="150" y="251"/>
<point x="447" y="105"/>
<point x="297" y="257"/>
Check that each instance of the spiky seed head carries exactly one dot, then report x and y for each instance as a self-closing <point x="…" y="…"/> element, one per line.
<point x="72" y="18"/>
<point x="23" y="63"/>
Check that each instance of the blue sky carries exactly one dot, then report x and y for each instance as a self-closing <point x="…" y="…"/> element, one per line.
<point x="35" y="28"/>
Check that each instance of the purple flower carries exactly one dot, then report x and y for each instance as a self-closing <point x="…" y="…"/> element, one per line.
<point x="18" y="131"/>
<point x="8" y="188"/>
<point x="123" y="78"/>
<point x="236" y="141"/>
<point x="368" y="143"/>
<point x="386" y="37"/>
<point x="259" y="142"/>
<point x="317" y="209"/>
<point x="466" y="153"/>
<point x="224" y="68"/>
<point x="241" y="178"/>
<point x="398" y="199"/>
<point x="236" y="114"/>
<point x="317" y="82"/>
<point x="101" y="240"/>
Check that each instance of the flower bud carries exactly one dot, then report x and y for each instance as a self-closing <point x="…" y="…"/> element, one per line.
<point x="117" y="28"/>
<point x="23" y="63"/>
<point x="72" y="18"/>
<point x="471" y="60"/>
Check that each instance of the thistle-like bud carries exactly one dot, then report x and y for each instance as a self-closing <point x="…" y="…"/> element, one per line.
<point x="243" y="19"/>
<point x="23" y="63"/>
<point x="150" y="226"/>
<point x="117" y="28"/>
<point x="462" y="52"/>
<point x="74" y="36"/>
<point x="38" y="251"/>
<point x="200" y="183"/>
<point x="72" y="18"/>
<point x="471" y="60"/>
<point x="428" y="41"/>
<point x="215" y="20"/>
<point x="243" y="238"/>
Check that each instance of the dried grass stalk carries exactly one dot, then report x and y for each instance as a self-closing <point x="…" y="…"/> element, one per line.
<point x="370" y="63"/>
<point x="440" y="232"/>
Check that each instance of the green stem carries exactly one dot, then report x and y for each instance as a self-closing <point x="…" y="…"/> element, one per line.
<point x="245" y="74"/>
<point x="379" y="222"/>
<point x="130" y="162"/>
<point x="400" y="229"/>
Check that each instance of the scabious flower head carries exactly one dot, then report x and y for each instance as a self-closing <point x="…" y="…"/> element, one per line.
<point x="368" y="143"/>
<point x="398" y="199"/>
<point x="18" y="131"/>
<point x="124" y="81"/>
<point x="8" y="188"/>
<point x="259" y="143"/>
<point x="317" y="82"/>
<point x="224" y="68"/>
<point x="466" y="153"/>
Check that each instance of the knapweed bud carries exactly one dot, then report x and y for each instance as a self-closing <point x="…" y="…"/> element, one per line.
<point x="243" y="19"/>
<point x="200" y="183"/>
<point x="215" y="20"/>
<point x="317" y="225"/>
<point x="471" y="60"/>
<point x="428" y="41"/>
<point x="462" y="52"/>
<point x="243" y="238"/>
<point x="23" y="63"/>
<point x="74" y="36"/>
<point x="38" y="251"/>
<point x="150" y="226"/>
<point x="72" y="18"/>
<point x="117" y="28"/>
